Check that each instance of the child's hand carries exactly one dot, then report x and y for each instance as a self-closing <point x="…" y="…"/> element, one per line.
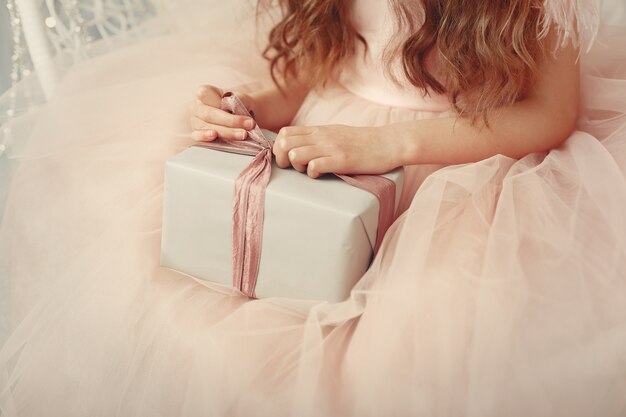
<point x="336" y="149"/>
<point x="209" y="121"/>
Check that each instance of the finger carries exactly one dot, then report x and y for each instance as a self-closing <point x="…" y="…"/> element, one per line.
<point x="281" y="157"/>
<point x="283" y="144"/>
<point x="225" y="132"/>
<point x="325" y="165"/>
<point x="197" y="124"/>
<point x="210" y="95"/>
<point x="204" y="135"/>
<point x="224" y="118"/>
<point x="300" y="157"/>
<point x="299" y="167"/>
<point x="248" y="102"/>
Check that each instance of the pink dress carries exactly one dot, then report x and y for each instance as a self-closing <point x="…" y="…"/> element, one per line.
<point x="500" y="289"/>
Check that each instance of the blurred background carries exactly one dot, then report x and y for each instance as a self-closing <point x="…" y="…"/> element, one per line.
<point x="6" y="48"/>
<point x="64" y="22"/>
<point x="135" y="13"/>
<point x="49" y="36"/>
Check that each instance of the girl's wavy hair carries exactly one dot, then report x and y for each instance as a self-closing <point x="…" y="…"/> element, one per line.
<point x="481" y="54"/>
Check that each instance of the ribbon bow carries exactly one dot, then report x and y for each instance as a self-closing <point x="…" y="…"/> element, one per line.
<point x="249" y="202"/>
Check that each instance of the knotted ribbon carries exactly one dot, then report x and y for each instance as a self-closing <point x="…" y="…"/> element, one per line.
<point x="249" y="201"/>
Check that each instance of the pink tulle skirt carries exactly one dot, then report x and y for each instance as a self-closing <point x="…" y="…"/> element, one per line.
<point x="500" y="289"/>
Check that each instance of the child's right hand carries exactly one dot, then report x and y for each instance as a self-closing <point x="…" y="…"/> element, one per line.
<point x="209" y="121"/>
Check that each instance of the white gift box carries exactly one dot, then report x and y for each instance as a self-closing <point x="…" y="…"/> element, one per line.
<point x="318" y="235"/>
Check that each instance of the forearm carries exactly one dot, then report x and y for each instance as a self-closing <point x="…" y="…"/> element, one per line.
<point x="540" y="122"/>
<point x="526" y="127"/>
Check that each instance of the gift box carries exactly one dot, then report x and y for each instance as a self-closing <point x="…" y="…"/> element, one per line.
<point x="318" y="235"/>
<point x="228" y="215"/>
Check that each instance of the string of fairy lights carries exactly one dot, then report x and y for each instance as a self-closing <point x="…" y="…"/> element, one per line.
<point x="71" y="27"/>
<point x="19" y="65"/>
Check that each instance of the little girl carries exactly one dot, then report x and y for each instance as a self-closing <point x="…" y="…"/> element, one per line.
<point x="504" y="73"/>
<point x="500" y="290"/>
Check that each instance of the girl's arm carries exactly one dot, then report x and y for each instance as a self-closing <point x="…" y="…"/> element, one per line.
<point x="541" y="121"/>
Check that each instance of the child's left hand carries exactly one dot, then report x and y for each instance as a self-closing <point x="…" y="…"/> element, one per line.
<point x="336" y="149"/>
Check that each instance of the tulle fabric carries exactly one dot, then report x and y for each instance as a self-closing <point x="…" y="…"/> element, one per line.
<point x="499" y="290"/>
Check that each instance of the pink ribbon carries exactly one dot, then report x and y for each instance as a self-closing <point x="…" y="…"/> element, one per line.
<point x="249" y="203"/>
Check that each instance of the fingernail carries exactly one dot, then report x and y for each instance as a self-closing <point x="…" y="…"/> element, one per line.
<point x="242" y="134"/>
<point x="210" y="134"/>
<point x="292" y="155"/>
<point x="249" y="124"/>
<point x="201" y="91"/>
<point x="227" y="94"/>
